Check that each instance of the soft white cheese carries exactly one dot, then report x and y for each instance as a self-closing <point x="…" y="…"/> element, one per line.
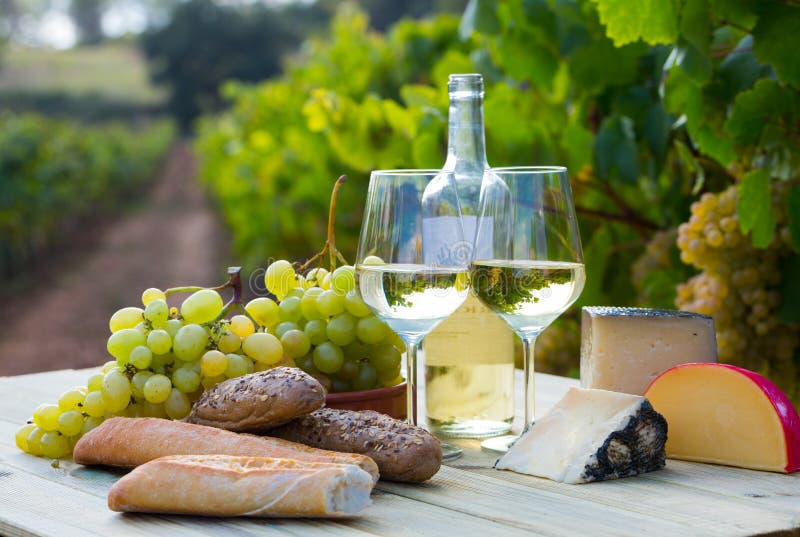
<point x="591" y="435"/>
<point x="625" y="349"/>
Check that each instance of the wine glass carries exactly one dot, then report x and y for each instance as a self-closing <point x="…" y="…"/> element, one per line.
<point x="535" y="267"/>
<point x="412" y="263"/>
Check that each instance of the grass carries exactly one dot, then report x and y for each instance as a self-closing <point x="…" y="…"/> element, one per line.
<point x="115" y="70"/>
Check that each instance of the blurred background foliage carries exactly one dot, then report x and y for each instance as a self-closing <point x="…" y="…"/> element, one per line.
<point x="678" y="120"/>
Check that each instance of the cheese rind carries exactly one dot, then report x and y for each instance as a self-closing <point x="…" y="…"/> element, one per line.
<point x="591" y="435"/>
<point x="723" y="414"/>
<point x="624" y="349"/>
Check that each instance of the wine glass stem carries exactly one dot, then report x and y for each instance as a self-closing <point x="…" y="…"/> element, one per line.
<point x="411" y="381"/>
<point x="528" y="345"/>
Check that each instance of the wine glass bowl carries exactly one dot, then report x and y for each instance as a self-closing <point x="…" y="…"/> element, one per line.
<point x="535" y="270"/>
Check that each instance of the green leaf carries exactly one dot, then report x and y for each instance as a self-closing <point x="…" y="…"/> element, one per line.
<point x="789" y="291"/>
<point x="695" y="26"/>
<point x="776" y="39"/>
<point x="767" y="104"/>
<point x="419" y="95"/>
<point x="793" y="210"/>
<point x="738" y="72"/>
<point x="755" y="207"/>
<point x="696" y="64"/>
<point x="578" y="141"/>
<point x="480" y="16"/>
<point x="738" y="12"/>
<point x="653" y="21"/>
<point x="596" y="256"/>
<point x="600" y="64"/>
<point x="656" y="131"/>
<point x="615" y="152"/>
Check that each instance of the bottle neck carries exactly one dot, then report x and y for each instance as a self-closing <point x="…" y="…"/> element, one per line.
<point x="466" y="146"/>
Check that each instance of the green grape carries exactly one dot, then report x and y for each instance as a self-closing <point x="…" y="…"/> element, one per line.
<point x="398" y="379"/>
<point x="242" y="326"/>
<point x="306" y="363"/>
<point x="213" y="363"/>
<point x="373" y="260"/>
<point x="263" y="347"/>
<point x="308" y="304"/>
<point x="142" y="327"/>
<point x="237" y="366"/>
<point x="330" y="304"/>
<point x="229" y="342"/>
<point x="326" y="282"/>
<point x="108" y="366"/>
<point x="328" y="357"/>
<point x="289" y="310"/>
<point x="342" y="329"/>
<point x="295" y="343"/>
<point x="201" y="306"/>
<point x="340" y="385"/>
<point x="172" y="327"/>
<point x="71" y="399"/>
<point x="54" y="445"/>
<point x="22" y="434"/>
<point x="371" y="330"/>
<point x="284" y="327"/>
<point x="157" y="389"/>
<point x="33" y="442"/>
<point x="297" y="292"/>
<point x="210" y="382"/>
<point x="125" y="318"/>
<point x="154" y="410"/>
<point x="160" y="361"/>
<point x="141" y="357"/>
<point x="354" y="305"/>
<point x="356" y="351"/>
<point x="317" y="331"/>
<point x="46" y="417"/>
<point x="95" y="382"/>
<point x="366" y="378"/>
<point x="177" y="405"/>
<point x="94" y="405"/>
<point x="343" y="280"/>
<point x="159" y="341"/>
<point x="280" y="278"/>
<point x="349" y="369"/>
<point x="385" y="357"/>
<point x="323" y="379"/>
<point x="137" y="384"/>
<point x="134" y="410"/>
<point x="157" y="312"/>
<point x="90" y="423"/>
<point x="190" y="342"/>
<point x="116" y="391"/>
<point x="70" y="423"/>
<point x="389" y="374"/>
<point x="185" y="380"/>
<point x="264" y="311"/>
<point x="122" y="342"/>
<point x="149" y="295"/>
<point x="315" y="276"/>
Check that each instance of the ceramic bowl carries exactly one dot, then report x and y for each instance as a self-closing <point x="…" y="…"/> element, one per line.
<point x="391" y="400"/>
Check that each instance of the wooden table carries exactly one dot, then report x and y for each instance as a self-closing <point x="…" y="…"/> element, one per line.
<point x="465" y="498"/>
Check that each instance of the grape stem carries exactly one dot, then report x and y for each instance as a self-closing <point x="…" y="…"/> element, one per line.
<point x="330" y="243"/>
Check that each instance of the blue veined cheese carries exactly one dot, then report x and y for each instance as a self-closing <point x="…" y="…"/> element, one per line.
<point x="625" y="349"/>
<point x="591" y="435"/>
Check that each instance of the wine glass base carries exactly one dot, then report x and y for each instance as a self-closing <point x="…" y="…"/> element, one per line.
<point x="450" y="451"/>
<point x="499" y="444"/>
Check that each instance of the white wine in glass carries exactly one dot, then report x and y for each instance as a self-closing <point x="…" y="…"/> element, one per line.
<point x="409" y="280"/>
<point x="535" y="271"/>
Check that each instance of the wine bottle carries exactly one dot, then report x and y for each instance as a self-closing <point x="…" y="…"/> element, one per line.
<point x="469" y="357"/>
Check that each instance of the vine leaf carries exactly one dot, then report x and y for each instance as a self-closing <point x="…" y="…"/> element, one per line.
<point x="776" y="39"/>
<point x="615" y="152"/>
<point x="695" y="26"/>
<point x="480" y="16"/>
<point x="767" y="103"/>
<point x="755" y="207"/>
<point x="793" y="210"/>
<point x="653" y="21"/>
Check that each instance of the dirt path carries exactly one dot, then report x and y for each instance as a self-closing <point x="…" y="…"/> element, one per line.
<point x="172" y="239"/>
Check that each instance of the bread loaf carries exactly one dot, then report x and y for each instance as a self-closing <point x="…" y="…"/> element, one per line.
<point x="259" y="401"/>
<point x="402" y="451"/>
<point x="220" y="485"/>
<point x="129" y="442"/>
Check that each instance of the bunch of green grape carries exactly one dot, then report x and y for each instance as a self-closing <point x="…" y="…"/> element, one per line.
<point x="165" y="357"/>
<point x="332" y="334"/>
<point x="738" y="286"/>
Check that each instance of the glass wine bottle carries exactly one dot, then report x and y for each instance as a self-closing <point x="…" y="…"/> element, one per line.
<point x="469" y="357"/>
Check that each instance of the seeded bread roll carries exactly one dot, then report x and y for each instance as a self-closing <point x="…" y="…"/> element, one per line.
<point x="130" y="442"/>
<point x="259" y="401"/>
<point x="402" y="451"/>
<point x="220" y="485"/>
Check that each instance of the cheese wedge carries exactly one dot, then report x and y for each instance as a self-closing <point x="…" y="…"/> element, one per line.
<point x="624" y="349"/>
<point x="591" y="435"/>
<point x="723" y="414"/>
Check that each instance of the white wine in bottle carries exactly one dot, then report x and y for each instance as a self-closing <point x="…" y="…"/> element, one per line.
<point x="469" y="357"/>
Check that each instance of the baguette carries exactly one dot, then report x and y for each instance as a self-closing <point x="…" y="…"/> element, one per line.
<point x="220" y="485"/>
<point x="129" y="442"/>
<point x="402" y="451"/>
<point x="258" y="401"/>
